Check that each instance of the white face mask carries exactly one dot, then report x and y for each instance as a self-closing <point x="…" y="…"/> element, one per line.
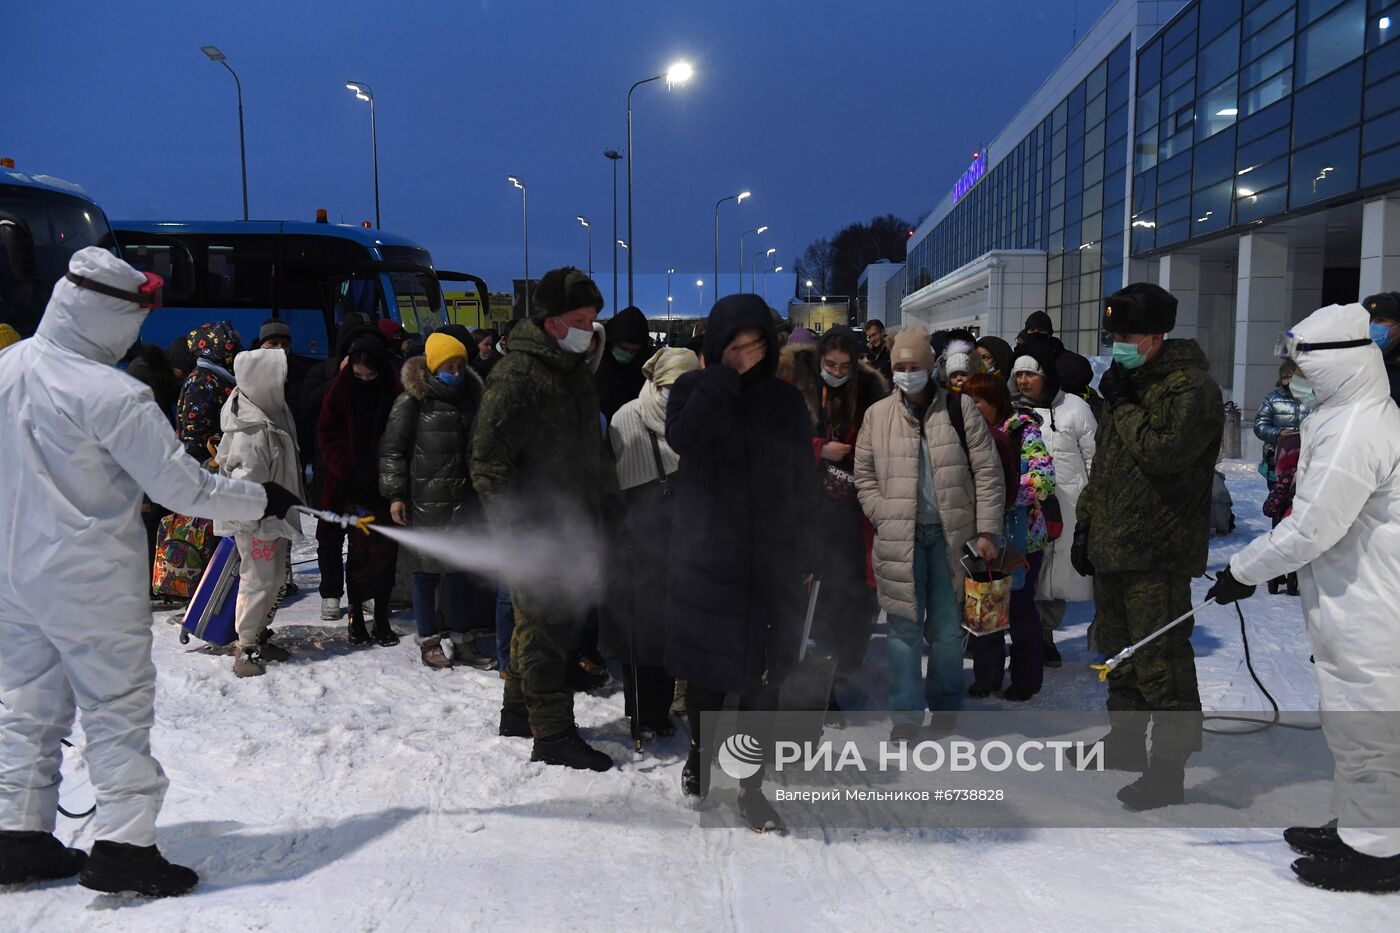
<point x="576" y="340"/>
<point x="911" y="383"/>
<point x="835" y="382"/>
<point x="1302" y="390"/>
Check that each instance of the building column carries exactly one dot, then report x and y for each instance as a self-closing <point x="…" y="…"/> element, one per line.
<point x="1261" y="303"/>
<point x="1305" y="265"/>
<point x="1380" y="246"/>
<point x="1180" y="274"/>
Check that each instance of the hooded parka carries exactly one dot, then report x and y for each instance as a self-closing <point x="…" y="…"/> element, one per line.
<point x="259" y="439"/>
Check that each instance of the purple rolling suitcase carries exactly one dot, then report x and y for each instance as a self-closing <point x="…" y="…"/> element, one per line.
<point x="210" y="613"/>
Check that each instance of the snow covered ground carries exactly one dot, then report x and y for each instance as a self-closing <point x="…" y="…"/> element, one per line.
<point x="357" y="790"/>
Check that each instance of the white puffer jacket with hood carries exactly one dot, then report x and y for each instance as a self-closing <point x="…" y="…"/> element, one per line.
<point x="258" y="440"/>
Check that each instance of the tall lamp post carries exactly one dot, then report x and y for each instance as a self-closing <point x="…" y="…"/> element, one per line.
<point x="737" y="199"/>
<point x="676" y="75"/>
<point x="363" y="92"/>
<point x="669" y="272"/>
<point x="212" y="51"/>
<point x="614" y="157"/>
<point x="700" y="296"/>
<point x="765" y="282"/>
<point x="525" y="217"/>
<point x="589" y="228"/>
<point x="756" y="231"/>
<point x="765" y="254"/>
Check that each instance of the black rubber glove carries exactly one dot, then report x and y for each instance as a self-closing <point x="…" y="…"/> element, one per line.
<point x="1115" y="387"/>
<point x="1227" y="589"/>
<point x="280" y="500"/>
<point x="1079" y="550"/>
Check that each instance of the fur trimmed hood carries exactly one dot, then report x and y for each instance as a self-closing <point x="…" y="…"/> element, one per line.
<point x="800" y="365"/>
<point x="421" y="384"/>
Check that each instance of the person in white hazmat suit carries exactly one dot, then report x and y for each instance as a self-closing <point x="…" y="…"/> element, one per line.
<point x="1343" y="540"/>
<point x="79" y="443"/>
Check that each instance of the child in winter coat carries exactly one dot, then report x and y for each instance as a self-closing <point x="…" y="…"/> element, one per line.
<point x="425" y="473"/>
<point x="259" y="445"/>
<point x="207" y="387"/>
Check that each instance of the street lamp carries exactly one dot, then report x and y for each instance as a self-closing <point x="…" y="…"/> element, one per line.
<point x="765" y="282"/>
<point x="623" y="244"/>
<point x="525" y="217"/>
<point x="212" y="51"/>
<point x="756" y="231"/>
<point x="737" y="199"/>
<point x="700" y="296"/>
<point x="614" y="157"/>
<point x="678" y="74"/>
<point x="765" y="254"/>
<point x="589" y="227"/>
<point x="363" y="92"/>
<point x="809" y="289"/>
<point x="669" y="272"/>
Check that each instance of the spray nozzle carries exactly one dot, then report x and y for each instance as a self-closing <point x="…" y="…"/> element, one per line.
<point x="360" y="523"/>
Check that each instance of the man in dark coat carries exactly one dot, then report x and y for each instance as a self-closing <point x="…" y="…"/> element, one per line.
<point x="877" y="353"/>
<point x="1143" y="532"/>
<point x="1385" y="331"/>
<point x="747" y="484"/>
<point x="620" y="373"/>
<point x="539" y="464"/>
<point x="1039" y="325"/>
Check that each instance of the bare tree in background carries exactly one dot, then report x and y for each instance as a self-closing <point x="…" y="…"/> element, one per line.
<point x="815" y="264"/>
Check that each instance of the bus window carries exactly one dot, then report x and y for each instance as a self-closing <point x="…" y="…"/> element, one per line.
<point x="239" y="272"/>
<point x="419" y="301"/>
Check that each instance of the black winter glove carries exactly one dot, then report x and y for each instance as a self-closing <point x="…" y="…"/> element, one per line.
<point x="1227" y="589"/>
<point x="1079" y="551"/>
<point x="280" y="501"/>
<point x="1115" y="387"/>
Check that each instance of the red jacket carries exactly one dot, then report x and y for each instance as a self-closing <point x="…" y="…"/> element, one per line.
<point x="342" y="450"/>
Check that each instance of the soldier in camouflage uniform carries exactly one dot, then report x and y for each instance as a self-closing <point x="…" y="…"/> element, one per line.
<point x="1143" y="533"/>
<point x="538" y="463"/>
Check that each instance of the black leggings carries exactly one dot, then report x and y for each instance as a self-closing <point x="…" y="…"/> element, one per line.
<point x="700" y="700"/>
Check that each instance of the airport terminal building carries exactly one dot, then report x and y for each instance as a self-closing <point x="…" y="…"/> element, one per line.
<point x="1244" y="154"/>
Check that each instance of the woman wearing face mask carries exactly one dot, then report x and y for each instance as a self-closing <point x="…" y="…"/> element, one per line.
<point x="353" y="417"/>
<point x="1279" y="416"/>
<point x="996" y="355"/>
<point x="633" y="628"/>
<point x="1067" y="424"/>
<point x="838" y="389"/>
<point x="619" y="374"/>
<point x="425" y="473"/>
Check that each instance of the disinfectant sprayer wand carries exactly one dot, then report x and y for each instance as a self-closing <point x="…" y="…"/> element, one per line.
<point x="1128" y="652"/>
<point x="358" y="522"/>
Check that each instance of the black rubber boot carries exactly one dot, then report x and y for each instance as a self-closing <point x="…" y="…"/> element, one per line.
<point x="1346" y="869"/>
<point x="36" y="856"/>
<point x="1313" y="840"/>
<point x="757" y="812"/>
<point x="1292" y="584"/>
<point x="384" y="634"/>
<point x="118" y="868"/>
<point x="359" y="635"/>
<point x="1275" y="585"/>
<point x="1161" y="785"/>
<point x="1125" y="749"/>
<point x="570" y="750"/>
<point x="515" y="723"/>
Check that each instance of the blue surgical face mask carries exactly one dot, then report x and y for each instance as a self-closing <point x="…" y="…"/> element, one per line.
<point x="623" y="356"/>
<point x="1302" y="390"/>
<point x="1380" y="333"/>
<point x="1128" y="355"/>
<point x="451" y="379"/>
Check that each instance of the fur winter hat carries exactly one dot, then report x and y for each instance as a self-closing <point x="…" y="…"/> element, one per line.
<point x="911" y="346"/>
<point x="441" y="348"/>
<point x="1141" y="308"/>
<point x="564" y="290"/>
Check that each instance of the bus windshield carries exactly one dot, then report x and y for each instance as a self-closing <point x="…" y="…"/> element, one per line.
<point x="39" y="232"/>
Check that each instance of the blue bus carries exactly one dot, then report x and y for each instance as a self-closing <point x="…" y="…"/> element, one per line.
<point x="308" y="274"/>
<point x="43" y="222"/>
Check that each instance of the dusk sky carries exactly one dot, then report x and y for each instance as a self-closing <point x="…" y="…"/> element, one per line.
<point x="829" y="112"/>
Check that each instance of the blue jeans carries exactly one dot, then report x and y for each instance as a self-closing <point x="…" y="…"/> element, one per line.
<point x="456" y="587"/>
<point x="937" y="604"/>
<point x="505" y="625"/>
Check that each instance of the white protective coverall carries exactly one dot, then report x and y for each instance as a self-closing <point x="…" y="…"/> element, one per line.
<point x="79" y="442"/>
<point x="1343" y="540"/>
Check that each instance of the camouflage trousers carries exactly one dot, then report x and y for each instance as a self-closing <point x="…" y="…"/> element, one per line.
<point x="1161" y="676"/>
<point x="537" y="681"/>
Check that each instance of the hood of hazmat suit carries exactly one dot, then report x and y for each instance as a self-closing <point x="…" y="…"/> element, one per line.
<point x="1343" y="539"/>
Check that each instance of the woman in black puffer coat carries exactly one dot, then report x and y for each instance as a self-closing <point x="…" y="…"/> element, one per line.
<point x="425" y="473"/>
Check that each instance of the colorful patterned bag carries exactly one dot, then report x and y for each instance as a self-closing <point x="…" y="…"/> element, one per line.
<point x="184" y="546"/>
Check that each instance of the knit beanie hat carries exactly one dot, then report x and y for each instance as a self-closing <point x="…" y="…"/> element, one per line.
<point x="564" y="290"/>
<point x="960" y="363"/>
<point x="911" y="346"/>
<point x="668" y="364"/>
<point x="1039" y="320"/>
<point x="273" y="327"/>
<point x="441" y="348"/>
<point x="8" y="335"/>
<point x="1026" y="364"/>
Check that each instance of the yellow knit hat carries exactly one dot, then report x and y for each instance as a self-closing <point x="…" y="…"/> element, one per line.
<point x="441" y="348"/>
<point x="8" y="335"/>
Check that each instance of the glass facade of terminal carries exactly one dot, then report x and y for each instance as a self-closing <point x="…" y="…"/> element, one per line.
<point x="1061" y="190"/>
<point x="1250" y="108"/>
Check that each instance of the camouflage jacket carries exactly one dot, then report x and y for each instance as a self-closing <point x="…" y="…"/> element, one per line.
<point x="538" y="445"/>
<point x="1148" y="497"/>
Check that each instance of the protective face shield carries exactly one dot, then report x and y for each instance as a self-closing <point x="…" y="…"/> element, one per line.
<point x="147" y="296"/>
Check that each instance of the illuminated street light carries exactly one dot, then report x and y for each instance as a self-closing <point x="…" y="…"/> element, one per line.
<point x="525" y="217"/>
<point x="737" y="199"/>
<point x="756" y="231"/>
<point x="363" y="92"/>
<point x="675" y="76"/>
<point x="214" y="55"/>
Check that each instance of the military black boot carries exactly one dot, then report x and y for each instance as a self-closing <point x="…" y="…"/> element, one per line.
<point x="383" y="634"/>
<point x="1313" y="840"/>
<point x="36" y="856"/>
<point x="1346" y="869"/>
<point x="1161" y="785"/>
<point x="570" y="750"/>
<point x="118" y="868"/>
<point x="515" y="723"/>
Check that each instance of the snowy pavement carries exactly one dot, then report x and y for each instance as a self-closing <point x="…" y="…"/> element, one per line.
<point x="354" y="789"/>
